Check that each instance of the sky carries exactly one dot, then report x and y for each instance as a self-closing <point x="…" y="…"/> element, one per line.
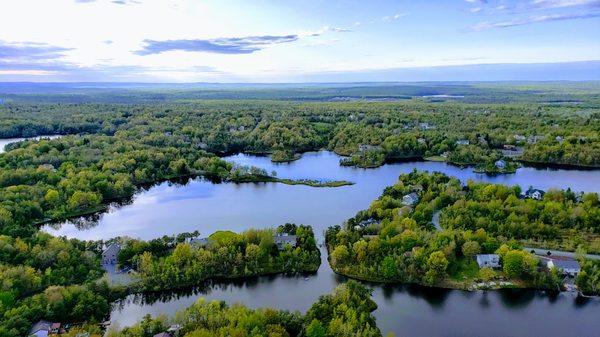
<point x="287" y="40"/>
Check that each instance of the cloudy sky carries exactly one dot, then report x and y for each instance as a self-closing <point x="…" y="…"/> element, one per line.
<point x="283" y="40"/>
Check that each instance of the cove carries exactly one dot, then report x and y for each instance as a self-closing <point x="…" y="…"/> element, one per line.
<point x="407" y="310"/>
<point x="6" y="141"/>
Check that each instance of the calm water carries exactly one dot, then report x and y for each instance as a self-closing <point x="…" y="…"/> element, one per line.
<point x="171" y="208"/>
<point x="6" y="141"/>
<point x="406" y="310"/>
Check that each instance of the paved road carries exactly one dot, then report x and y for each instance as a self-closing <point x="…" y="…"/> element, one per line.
<point x="540" y="251"/>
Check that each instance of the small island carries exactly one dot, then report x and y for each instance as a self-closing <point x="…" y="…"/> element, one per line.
<point x="188" y="260"/>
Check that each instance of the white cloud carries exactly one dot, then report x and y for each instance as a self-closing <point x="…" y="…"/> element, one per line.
<point x="532" y="19"/>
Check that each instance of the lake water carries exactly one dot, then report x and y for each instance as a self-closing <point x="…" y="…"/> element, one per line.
<point x="6" y="141"/>
<point x="169" y="208"/>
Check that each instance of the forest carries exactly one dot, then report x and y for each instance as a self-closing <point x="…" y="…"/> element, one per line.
<point x="344" y="312"/>
<point x="395" y="242"/>
<point x="116" y="142"/>
<point x="226" y="255"/>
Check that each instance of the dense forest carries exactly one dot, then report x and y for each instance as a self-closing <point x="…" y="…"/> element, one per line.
<point x="344" y="312"/>
<point x="392" y="241"/>
<point x="118" y="141"/>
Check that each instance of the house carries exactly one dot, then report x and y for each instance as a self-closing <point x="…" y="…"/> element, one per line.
<point x="520" y="138"/>
<point x="174" y="330"/>
<point x="367" y="148"/>
<point x="488" y="260"/>
<point x="501" y="164"/>
<point x="200" y="242"/>
<point x="40" y="329"/>
<point x="533" y="193"/>
<point x="565" y="265"/>
<point x="283" y="240"/>
<point x="462" y="142"/>
<point x="55" y="328"/>
<point x="111" y="253"/>
<point x="410" y="199"/>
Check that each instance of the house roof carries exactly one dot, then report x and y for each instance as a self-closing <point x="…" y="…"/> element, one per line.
<point x="565" y="263"/>
<point x="284" y="238"/>
<point x="40" y="325"/>
<point x="482" y="258"/>
<point x="412" y="195"/>
<point x="116" y="245"/>
<point x="199" y="241"/>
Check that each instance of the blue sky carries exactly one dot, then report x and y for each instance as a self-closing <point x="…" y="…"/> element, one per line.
<point x="285" y="41"/>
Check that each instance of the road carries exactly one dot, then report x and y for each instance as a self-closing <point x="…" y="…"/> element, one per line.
<point x="539" y="251"/>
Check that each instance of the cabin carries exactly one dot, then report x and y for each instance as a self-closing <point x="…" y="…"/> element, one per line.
<point x="410" y="199"/>
<point x="110" y="255"/>
<point x="488" y="260"/>
<point x="40" y="329"/>
<point x="565" y="265"/>
<point x="501" y="164"/>
<point x="284" y="240"/>
<point x="462" y="142"/>
<point x="533" y="193"/>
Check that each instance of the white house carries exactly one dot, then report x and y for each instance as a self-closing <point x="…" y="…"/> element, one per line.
<point x="462" y="142"/>
<point x="410" y="199"/>
<point x="565" y="265"/>
<point x="488" y="260"/>
<point x="534" y="194"/>
<point x="110" y="255"/>
<point x="283" y="240"/>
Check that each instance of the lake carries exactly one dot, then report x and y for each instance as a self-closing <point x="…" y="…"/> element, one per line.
<point x="6" y="141"/>
<point x="197" y="204"/>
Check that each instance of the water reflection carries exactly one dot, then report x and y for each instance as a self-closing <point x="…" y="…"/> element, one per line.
<point x="186" y="205"/>
<point x="408" y="310"/>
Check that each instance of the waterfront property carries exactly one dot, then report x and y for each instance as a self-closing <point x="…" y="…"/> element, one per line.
<point x="565" y="265"/>
<point x="488" y="260"/>
<point x="534" y="194"/>
<point x="410" y="199"/>
<point x="111" y="253"/>
<point x="284" y="240"/>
